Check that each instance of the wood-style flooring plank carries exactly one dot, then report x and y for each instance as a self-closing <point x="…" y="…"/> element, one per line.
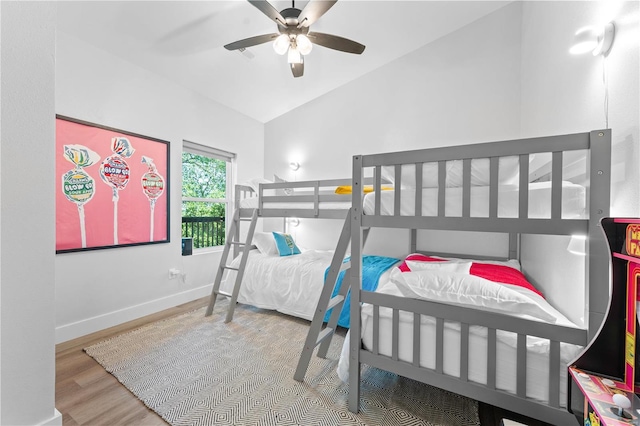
<point x="87" y="395"/>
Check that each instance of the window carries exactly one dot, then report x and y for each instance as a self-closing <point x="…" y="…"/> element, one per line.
<point x="206" y="194"/>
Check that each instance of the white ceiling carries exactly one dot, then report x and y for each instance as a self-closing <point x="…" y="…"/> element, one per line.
<point x="183" y="41"/>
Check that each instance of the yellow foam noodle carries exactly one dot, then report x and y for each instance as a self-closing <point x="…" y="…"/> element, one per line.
<point x="346" y="189"/>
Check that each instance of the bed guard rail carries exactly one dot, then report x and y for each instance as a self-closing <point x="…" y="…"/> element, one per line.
<point x="438" y="172"/>
<point x="327" y="198"/>
<point x="466" y="318"/>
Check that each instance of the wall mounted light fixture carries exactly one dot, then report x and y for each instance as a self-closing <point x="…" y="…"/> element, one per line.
<point x="294" y="165"/>
<point x="595" y="39"/>
<point x="293" y="221"/>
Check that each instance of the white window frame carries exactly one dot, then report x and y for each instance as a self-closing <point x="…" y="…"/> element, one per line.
<point x="230" y="158"/>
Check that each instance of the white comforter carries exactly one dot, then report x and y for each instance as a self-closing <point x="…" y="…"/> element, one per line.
<point x="287" y="284"/>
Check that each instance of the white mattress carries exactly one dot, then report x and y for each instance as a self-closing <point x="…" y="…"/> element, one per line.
<point x="537" y="350"/>
<point x="573" y="201"/>
<point x="288" y="284"/>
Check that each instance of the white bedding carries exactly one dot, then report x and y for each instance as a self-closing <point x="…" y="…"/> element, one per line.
<point x="573" y="201"/>
<point x="288" y="284"/>
<point x="537" y="349"/>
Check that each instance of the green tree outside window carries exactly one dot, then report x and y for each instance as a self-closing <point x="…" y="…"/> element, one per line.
<point x="204" y="193"/>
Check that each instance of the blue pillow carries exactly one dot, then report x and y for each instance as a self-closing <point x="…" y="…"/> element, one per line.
<point x="285" y="244"/>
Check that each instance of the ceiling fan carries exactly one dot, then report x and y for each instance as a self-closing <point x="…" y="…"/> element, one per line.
<point x="293" y="34"/>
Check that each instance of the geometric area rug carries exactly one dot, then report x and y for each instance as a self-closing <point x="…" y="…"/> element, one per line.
<point x="197" y="370"/>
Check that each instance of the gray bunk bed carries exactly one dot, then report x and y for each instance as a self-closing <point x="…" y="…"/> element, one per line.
<point x="386" y="331"/>
<point x="301" y="199"/>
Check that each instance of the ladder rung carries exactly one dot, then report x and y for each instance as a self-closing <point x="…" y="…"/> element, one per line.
<point x="245" y="219"/>
<point x="335" y="301"/>
<point x="223" y="293"/>
<point x="328" y="331"/>
<point x="229" y="267"/>
<point x="345" y="266"/>
<point x="237" y="243"/>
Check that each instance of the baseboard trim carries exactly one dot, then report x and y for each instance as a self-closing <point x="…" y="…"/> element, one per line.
<point x="56" y="420"/>
<point x="91" y="325"/>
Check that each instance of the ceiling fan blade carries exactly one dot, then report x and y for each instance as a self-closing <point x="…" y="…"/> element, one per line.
<point x="297" y="69"/>
<point x="251" y="41"/>
<point x="336" y="42"/>
<point x="314" y="10"/>
<point x="270" y="11"/>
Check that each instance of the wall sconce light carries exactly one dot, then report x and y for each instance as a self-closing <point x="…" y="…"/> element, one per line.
<point x="293" y="221"/>
<point x="577" y="245"/>
<point x="597" y="40"/>
<point x="294" y="165"/>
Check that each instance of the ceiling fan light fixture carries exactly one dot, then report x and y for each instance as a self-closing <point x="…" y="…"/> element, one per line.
<point x="294" y="56"/>
<point x="281" y="44"/>
<point x="293" y="26"/>
<point x="304" y="44"/>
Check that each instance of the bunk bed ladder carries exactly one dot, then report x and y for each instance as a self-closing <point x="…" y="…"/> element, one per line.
<point x="233" y="239"/>
<point x="317" y="335"/>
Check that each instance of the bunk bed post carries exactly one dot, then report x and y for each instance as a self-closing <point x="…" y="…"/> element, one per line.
<point x="236" y="208"/>
<point x="597" y="249"/>
<point x="413" y="244"/>
<point x="514" y="245"/>
<point x="355" y="281"/>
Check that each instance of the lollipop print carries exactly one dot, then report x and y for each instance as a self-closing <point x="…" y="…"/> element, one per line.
<point x="77" y="185"/>
<point x="115" y="171"/>
<point x="152" y="186"/>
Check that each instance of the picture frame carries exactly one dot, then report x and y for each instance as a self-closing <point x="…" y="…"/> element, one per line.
<point x="112" y="187"/>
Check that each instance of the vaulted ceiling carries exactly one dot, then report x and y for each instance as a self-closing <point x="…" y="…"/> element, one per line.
<point x="183" y="42"/>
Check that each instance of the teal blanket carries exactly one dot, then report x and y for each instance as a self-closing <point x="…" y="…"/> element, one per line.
<point x="372" y="268"/>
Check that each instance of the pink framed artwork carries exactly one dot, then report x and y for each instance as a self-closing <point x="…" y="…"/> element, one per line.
<point x="111" y="187"/>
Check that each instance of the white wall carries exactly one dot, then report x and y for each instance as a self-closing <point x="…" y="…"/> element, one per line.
<point x="97" y="289"/>
<point x="461" y="88"/>
<point x="27" y="238"/>
<point x="507" y="75"/>
<point x="563" y="93"/>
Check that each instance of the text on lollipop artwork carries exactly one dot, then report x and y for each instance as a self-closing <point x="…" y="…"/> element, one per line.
<point x="124" y="201"/>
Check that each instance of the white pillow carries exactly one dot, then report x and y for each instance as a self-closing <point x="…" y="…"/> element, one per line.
<point x="511" y="263"/>
<point x="285" y="191"/>
<point x="265" y="242"/>
<point x="408" y="175"/>
<point x="255" y="183"/>
<point x="468" y="290"/>
<point x="508" y="168"/>
<point x="457" y="267"/>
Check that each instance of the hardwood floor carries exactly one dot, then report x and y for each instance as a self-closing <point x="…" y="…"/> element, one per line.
<point x="87" y="395"/>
